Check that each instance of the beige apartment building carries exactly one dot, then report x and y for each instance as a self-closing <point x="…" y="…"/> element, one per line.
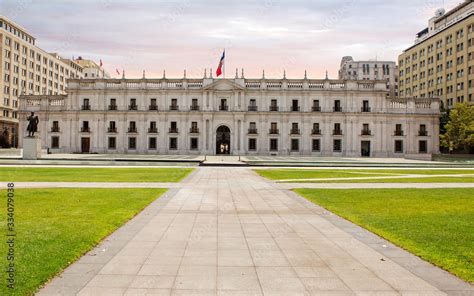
<point x="441" y="62"/>
<point x="26" y="69"/>
<point x="90" y="69"/>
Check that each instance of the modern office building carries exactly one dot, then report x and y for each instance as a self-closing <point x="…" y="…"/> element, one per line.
<point x="235" y="116"/>
<point x="441" y="62"/>
<point x="371" y="70"/>
<point x="26" y="69"/>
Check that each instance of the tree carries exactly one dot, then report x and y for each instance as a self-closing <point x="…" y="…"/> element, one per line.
<point x="459" y="133"/>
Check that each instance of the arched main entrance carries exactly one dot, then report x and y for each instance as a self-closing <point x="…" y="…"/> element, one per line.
<point x="223" y="140"/>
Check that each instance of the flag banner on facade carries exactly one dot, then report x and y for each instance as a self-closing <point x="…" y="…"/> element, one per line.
<point x="221" y="64"/>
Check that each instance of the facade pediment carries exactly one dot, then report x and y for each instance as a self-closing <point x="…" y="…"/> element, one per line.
<point x="223" y="85"/>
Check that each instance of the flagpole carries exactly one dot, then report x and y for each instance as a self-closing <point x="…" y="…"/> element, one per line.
<point x="224" y="63"/>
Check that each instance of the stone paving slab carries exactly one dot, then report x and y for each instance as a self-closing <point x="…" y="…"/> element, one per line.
<point x="230" y="232"/>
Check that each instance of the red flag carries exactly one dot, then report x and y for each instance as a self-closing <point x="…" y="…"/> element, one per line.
<point x="118" y="72"/>
<point x="101" y="63"/>
<point x="221" y="64"/>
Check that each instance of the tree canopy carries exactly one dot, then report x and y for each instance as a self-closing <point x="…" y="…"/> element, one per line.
<point x="459" y="133"/>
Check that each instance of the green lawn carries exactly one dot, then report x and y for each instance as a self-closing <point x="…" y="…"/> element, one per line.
<point x="401" y="180"/>
<point x="435" y="224"/>
<point x="55" y="174"/>
<point x="54" y="227"/>
<point x="299" y="174"/>
<point x="284" y="174"/>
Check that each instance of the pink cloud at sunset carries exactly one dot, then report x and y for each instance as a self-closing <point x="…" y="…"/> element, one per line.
<point x="274" y="35"/>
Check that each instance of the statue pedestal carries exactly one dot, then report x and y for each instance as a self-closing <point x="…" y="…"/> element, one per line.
<point x="31" y="148"/>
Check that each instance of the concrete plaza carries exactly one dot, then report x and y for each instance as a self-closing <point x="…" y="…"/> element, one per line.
<point x="227" y="231"/>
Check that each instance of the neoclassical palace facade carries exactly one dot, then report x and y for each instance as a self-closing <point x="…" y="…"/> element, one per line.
<point x="234" y="116"/>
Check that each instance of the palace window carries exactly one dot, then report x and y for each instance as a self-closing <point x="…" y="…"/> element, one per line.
<point x="422" y="131"/>
<point x="252" y="144"/>
<point x="194" y="143"/>
<point x="423" y="146"/>
<point x="173" y="143"/>
<point x="337" y="129"/>
<point x="132" y="143"/>
<point x="398" y="130"/>
<point x="316" y="145"/>
<point x="133" y="104"/>
<point x="153" y="105"/>
<point x="337" y="145"/>
<point x="252" y="128"/>
<point x="253" y="105"/>
<point x="295" y="106"/>
<point x="223" y="106"/>
<point x="273" y="105"/>
<point x="173" y="127"/>
<point x="365" y="129"/>
<point x="398" y="146"/>
<point x="152" y="143"/>
<point x="337" y="106"/>
<point x="194" y="105"/>
<point x="273" y="144"/>
<point x="85" y="127"/>
<point x="194" y="127"/>
<point x="294" y="129"/>
<point x="132" y="128"/>
<point x="112" y="143"/>
<point x="365" y="106"/>
<point x="316" y="130"/>
<point x="295" y="145"/>
<point x="112" y="128"/>
<point x="274" y="128"/>
<point x="54" y="142"/>
<point x="152" y="128"/>
<point x="85" y="104"/>
<point x="174" y="104"/>
<point x="316" y="107"/>
<point x="55" y="127"/>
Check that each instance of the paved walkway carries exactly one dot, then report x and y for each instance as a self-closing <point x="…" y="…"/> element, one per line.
<point x="230" y="232"/>
<point x="203" y="186"/>
<point x="223" y="160"/>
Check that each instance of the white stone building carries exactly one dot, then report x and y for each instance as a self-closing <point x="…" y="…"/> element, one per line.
<point x="237" y="116"/>
<point x="370" y="70"/>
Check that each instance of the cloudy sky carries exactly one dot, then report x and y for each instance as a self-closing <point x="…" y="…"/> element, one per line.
<point x="153" y="35"/>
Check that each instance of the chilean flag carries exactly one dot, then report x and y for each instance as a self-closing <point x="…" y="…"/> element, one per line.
<point x="221" y="64"/>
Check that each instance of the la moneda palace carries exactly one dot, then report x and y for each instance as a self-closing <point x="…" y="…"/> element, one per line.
<point x="236" y="116"/>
